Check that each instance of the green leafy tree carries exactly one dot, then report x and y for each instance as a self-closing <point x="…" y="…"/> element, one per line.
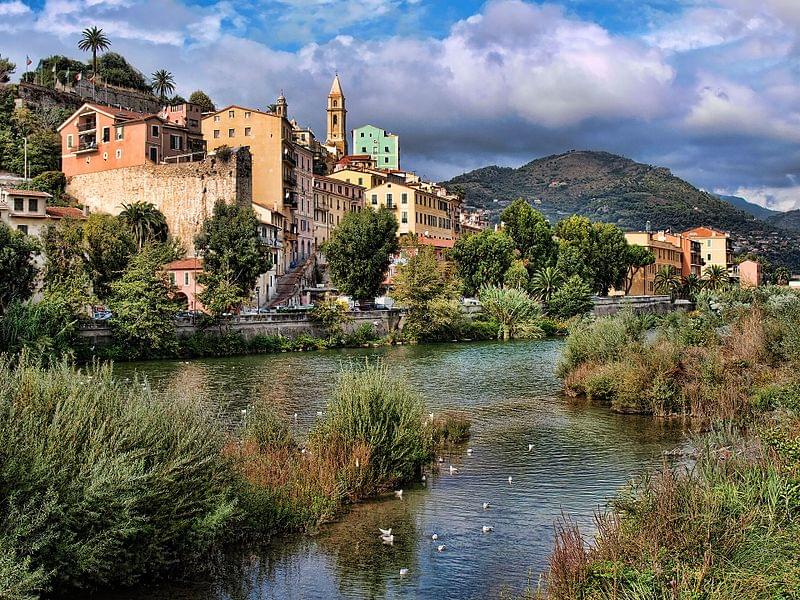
<point x="146" y="222"/>
<point x="531" y="232"/>
<point x="163" y="83"/>
<point x="332" y="314"/>
<point x="546" y="282"/>
<point x="7" y="69"/>
<point x="233" y="256"/>
<point x="63" y="252"/>
<point x="638" y="257"/>
<point x="116" y="70"/>
<point x="17" y="268"/>
<point x="517" y="275"/>
<point x="571" y="299"/>
<point x="782" y="276"/>
<point x="360" y="250"/>
<point x="93" y="40"/>
<point x="425" y="286"/>
<point x="513" y="309"/>
<point x="202" y="100"/>
<point x="715" y="277"/>
<point x="691" y="285"/>
<point x="108" y="247"/>
<point x="143" y="306"/>
<point x="667" y="281"/>
<point x="482" y="259"/>
<point x="51" y="182"/>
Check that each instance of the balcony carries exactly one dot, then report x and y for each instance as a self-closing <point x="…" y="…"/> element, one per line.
<point x="290" y="179"/>
<point x="87" y="126"/>
<point x="87" y="146"/>
<point x="290" y="199"/>
<point x="271" y="242"/>
<point x="391" y="206"/>
<point x="290" y="158"/>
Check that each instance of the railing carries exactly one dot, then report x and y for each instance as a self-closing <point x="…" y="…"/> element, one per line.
<point x="184" y="158"/>
<point x="87" y="126"/>
<point x="290" y="178"/>
<point x="87" y="146"/>
<point x="271" y="242"/>
<point x="290" y="199"/>
<point x="290" y="158"/>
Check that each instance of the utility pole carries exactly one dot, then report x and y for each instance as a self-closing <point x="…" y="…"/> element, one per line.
<point x="25" y="168"/>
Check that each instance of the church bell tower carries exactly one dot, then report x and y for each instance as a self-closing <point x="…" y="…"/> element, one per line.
<point x="337" y="119"/>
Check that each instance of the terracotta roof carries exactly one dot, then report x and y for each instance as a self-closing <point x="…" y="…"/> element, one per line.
<point x="33" y="193"/>
<point x="436" y="242"/>
<point x="61" y="212"/>
<point x="185" y="264"/>
<point x="705" y="232"/>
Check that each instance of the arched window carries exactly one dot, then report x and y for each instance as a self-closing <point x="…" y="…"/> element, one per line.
<point x="335" y="119"/>
<point x="335" y="103"/>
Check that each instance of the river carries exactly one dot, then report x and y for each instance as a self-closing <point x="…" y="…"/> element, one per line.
<point x="582" y="454"/>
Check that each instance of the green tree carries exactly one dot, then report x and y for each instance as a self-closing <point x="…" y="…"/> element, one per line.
<point x="546" y="282"/>
<point x="51" y="182"/>
<point x="782" y="276"/>
<point x="425" y="286"/>
<point x="7" y="69"/>
<point x="667" y="281"/>
<point x="571" y="299"/>
<point x="116" y="70"/>
<point x="202" y="100"/>
<point x="17" y="269"/>
<point x="531" y="232"/>
<point x="233" y="256"/>
<point x="715" y="277"/>
<point x="146" y="222"/>
<point x="92" y="40"/>
<point x="163" y="83"/>
<point x="360" y="250"/>
<point x="513" y="309"/>
<point x="482" y="259"/>
<point x="108" y="247"/>
<point x="143" y="308"/>
<point x="332" y="314"/>
<point x="638" y="257"/>
<point x="63" y="252"/>
<point x="517" y="275"/>
<point x="691" y="285"/>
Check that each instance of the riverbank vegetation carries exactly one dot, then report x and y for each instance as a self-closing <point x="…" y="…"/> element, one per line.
<point x="106" y="484"/>
<point x="723" y="521"/>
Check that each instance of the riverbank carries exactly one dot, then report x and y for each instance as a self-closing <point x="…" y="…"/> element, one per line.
<point x="90" y="465"/>
<point x="724" y="522"/>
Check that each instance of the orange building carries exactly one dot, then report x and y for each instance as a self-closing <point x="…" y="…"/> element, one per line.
<point x="716" y="246"/>
<point x="99" y="138"/>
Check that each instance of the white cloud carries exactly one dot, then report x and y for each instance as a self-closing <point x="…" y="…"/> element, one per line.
<point x="775" y="198"/>
<point x="13" y="9"/>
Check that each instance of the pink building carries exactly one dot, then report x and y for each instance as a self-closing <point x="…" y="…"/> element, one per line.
<point x="750" y="274"/>
<point x="183" y="275"/>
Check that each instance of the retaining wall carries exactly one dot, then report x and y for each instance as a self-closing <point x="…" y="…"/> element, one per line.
<point x="656" y="305"/>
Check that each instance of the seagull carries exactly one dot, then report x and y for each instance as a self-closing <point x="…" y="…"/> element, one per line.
<point x="358" y="463"/>
<point x="469" y="451"/>
<point x="244" y="411"/>
<point x="435" y="537"/>
<point x="388" y="540"/>
<point x="399" y="494"/>
<point x="424" y="478"/>
<point x="385" y="532"/>
<point x="403" y="572"/>
<point x="453" y="470"/>
<point x="303" y="450"/>
<point x="510" y="479"/>
<point x="487" y="528"/>
<point x="486" y="506"/>
<point x="295" y="416"/>
<point x="441" y="548"/>
<point x="530" y="447"/>
<point x="441" y="460"/>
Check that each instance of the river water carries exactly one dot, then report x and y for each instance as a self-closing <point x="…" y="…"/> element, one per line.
<point x="581" y="456"/>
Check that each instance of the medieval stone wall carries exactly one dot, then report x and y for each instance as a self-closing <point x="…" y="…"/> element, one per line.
<point x="184" y="192"/>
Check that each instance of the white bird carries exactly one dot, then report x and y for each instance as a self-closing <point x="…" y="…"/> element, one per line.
<point x="385" y="532"/>
<point x="453" y="470"/>
<point x="403" y="572"/>
<point x="530" y="447"/>
<point x="441" y="460"/>
<point x="319" y="413"/>
<point x="431" y="416"/>
<point x="295" y="416"/>
<point x="424" y="478"/>
<point x="510" y="479"/>
<point x="441" y="548"/>
<point x="303" y="450"/>
<point x="399" y="494"/>
<point x="358" y="463"/>
<point x="486" y="506"/>
<point x="435" y="537"/>
<point x="244" y="411"/>
<point x="388" y="540"/>
<point x="469" y="451"/>
<point x="487" y="528"/>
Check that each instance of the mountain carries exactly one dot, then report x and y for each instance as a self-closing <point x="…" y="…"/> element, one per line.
<point x="789" y="220"/>
<point x="759" y="212"/>
<point x="614" y="189"/>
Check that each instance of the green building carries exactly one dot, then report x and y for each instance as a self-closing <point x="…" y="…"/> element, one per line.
<point x="383" y="147"/>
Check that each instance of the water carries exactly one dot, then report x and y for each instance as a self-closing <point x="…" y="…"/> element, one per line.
<point x="582" y="455"/>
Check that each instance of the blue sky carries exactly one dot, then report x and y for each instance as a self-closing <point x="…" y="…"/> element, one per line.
<point x="708" y="88"/>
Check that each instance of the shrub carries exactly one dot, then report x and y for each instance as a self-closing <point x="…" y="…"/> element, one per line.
<point x="573" y="298"/>
<point x="600" y="340"/>
<point x="513" y="309"/>
<point x="449" y="428"/>
<point x="363" y="334"/>
<point x="777" y="395"/>
<point x="224" y="153"/>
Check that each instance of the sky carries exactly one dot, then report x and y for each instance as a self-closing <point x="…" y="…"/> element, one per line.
<point x="707" y="88"/>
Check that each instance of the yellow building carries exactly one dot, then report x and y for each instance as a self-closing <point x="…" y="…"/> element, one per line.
<point x="333" y="199"/>
<point x="366" y="178"/>
<point x="667" y="253"/>
<point x="27" y="211"/>
<point x="716" y="247"/>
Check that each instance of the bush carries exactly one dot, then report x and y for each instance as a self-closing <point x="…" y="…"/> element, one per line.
<point x="363" y="334"/>
<point x="571" y="299"/>
<point x="449" y="428"/>
<point x="777" y="395"/>
<point x="601" y="340"/>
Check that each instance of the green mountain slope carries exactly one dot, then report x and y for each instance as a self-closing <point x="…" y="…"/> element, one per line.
<point x="615" y="189"/>
<point x="756" y="210"/>
<point x="786" y="220"/>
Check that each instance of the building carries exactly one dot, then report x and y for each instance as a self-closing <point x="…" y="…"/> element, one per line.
<point x="99" y="138"/>
<point x="716" y="246"/>
<point x="336" y="142"/>
<point x="333" y="199"/>
<point x="27" y="211"/>
<point x="691" y="254"/>
<point x="750" y="274"/>
<point x="474" y="221"/>
<point x="183" y="276"/>
<point x="667" y="254"/>
<point x="303" y="209"/>
<point x="383" y="147"/>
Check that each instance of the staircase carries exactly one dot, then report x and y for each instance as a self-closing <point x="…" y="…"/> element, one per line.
<point x="288" y="285"/>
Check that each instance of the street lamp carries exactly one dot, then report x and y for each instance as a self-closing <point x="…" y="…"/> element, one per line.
<point x="258" y="298"/>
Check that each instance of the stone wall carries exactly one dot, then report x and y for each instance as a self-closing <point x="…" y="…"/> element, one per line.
<point x="185" y="192"/>
<point x="657" y="305"/>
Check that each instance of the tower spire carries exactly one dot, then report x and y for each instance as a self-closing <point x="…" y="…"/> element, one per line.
<point x="337" y="118"/>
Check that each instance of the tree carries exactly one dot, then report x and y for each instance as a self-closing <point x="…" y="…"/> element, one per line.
<point x="638" y="257"/>
<point x="92" y="40"/>
<point x="146" y="222"/>
<point x="51" y="182"/>
<point x="715" y="277"/>
<point x="17" y="269"/>
<point x="546" y="282"/>
<point x="531" y="232"/>
<point x="163" y="83"/>
<point x="202" y="100"/>
<point x="482" y="259"/>
<point x="143" y="308"/>
<point x="360" y="250"/>
<point x="116" y="70"/>
<point x="7" y="69"/>
<point x="64" y="252"/>
<point x="332" y="314"/>
<point x="517" y="275"/>
<point x="667" y="281"/>
<point x="691" y="286"/>
<point x="513" y="309"/>
<point x="782" y="276"/>
<point x="571" y="299"/>
<point x="233" y="256"/>
<point x="424" y="286"/>
<point x="108" y="247"/>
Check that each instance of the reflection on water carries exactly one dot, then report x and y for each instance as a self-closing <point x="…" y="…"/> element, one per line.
<point x="581" y="455"/>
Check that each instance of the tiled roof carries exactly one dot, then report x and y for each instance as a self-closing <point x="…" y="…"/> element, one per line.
<point x="436" y="242"/>
<point x="185" y="264"/>
<point x="704" y="232"/>
<point x="61" y="212"/>
<point x="33" y="193"/>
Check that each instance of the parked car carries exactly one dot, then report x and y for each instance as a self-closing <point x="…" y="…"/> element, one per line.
<point x="188" y="314"/>
<point x="102" y="315"/>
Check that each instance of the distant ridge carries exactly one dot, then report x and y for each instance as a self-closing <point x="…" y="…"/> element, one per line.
<point x="756" y="210"/>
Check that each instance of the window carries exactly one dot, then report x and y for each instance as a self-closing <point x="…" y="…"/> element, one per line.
<point x="708" y="243"/>
<point x="364" y="149"/>
<point x="709" y="256"/>
<point x="33" y="204"/>
<point x="186" y="278"/>
<point x="175" y="142"/>
<point x="231" y="132"/>
<point x="231" y="114"/>
<point x="216" y="133"/>
<point x="193" y="123"/>
<point x="22" y="228"/>
<point x="386" y="148"/>
<point x="335" y="119"/>
<point x="362" y="134"/>
<point x="360" y="181"/>
<point x="216" y="118"/>
<point x="247" y="114"/>
<point x="70" y="141"/>
<point x="119" y="153"/>
<point x="374" y="198"/>
<point x="119" y="132"/>
<point x="335" y="103"/>
<point x="247" y="131"/>
<point x="404" y="198"/>
<point x="389" y="200"/>
<point x="386" y="159"/>
<point x="172" y="279"/>
<point x="19" y="204"/>
<point x="154" y="130"/>
<point x="404" y="218"/>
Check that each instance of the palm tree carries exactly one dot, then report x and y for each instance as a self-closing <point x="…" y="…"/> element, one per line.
<point x="513" y="309"/>
<point x="666" y="281"/>
<point x="93" y="39"/>
<point x="715" y="276"/>
<point x="691" y="286"/>
<point x="545" y="283"/>
<point x="147" y="223"/>
<point x="163" y="83"/>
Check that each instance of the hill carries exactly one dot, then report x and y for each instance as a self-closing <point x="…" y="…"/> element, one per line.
<point x="789" y="220"/>
<point x="614" y="189"/>
<point x="758" y="211"/>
